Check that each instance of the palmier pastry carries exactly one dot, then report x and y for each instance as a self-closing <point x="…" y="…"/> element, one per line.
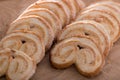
<point x="88" y="28"/>
<point x="4" y="61"/>
<point x="36" y="24"/>
<point x="21" y="66"/>
<point x="72" y="7"/>
<point x="55" y="7"/>
<point x="82" y="51"/>
<point x="113" y="6"/>
<point x="62" y="8"/>
<point x="26" y="42"/>
<point x="87" y="41"/>
<point x="105" y="16"/>
<point x="48" y="15"/>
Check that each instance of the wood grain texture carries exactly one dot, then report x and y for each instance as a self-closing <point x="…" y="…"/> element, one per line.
<point x="9" y="11"/>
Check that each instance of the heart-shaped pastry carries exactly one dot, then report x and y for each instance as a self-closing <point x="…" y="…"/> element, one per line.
<point x="89" y="28"/>
<point x="82" y="52"/>
<point x="36" y="24"/>
<point x="21" y="66"/>
<point x="27" y="42"/>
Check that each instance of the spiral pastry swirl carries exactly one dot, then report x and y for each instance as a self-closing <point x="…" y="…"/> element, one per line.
<point x="82" y="52"/>
<point x="89" y="28"/>
<point x="104" y="14"/>
<point x="36" y="24"/>
<point x="55" y="7"/>
<point x="21" y="66"/>
<point x="86" y="42"/>
<point x="62" y="8"/>
<point x="33" y="33"/>
<point x="4" y="61"/>
<point x="48" y="15"/>
<point x="26" y="42"/>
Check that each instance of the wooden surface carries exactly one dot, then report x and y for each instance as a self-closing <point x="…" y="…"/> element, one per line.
<point x="10" y="9"/>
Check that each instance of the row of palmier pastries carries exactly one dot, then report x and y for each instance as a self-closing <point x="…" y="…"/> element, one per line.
<point x="32" y="33"/>
<point x="86" y="42"/>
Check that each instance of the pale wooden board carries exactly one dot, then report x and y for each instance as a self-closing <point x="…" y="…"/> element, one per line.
<point x="10" y="9"/>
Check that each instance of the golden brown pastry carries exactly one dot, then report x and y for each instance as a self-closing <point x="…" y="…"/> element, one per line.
<point x="25" y="41"/>
<point x="82" y="52"/>
<point x="55" y="7"/>
<point x="16" y="65"/>
<point x="62" y="8"/>
<point x="36" y="24"/>
<point x="105" y="15"/>
<point x="114" y="7"/>
<point x="4" y="61"/>
<point x="72" y="7"/>
<point x="87" y="41"/>
<point x="48" y="15"/>
<point x="32" y="33"/>
<point x="89" y="28"/>
<point x="21" y="66"/>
